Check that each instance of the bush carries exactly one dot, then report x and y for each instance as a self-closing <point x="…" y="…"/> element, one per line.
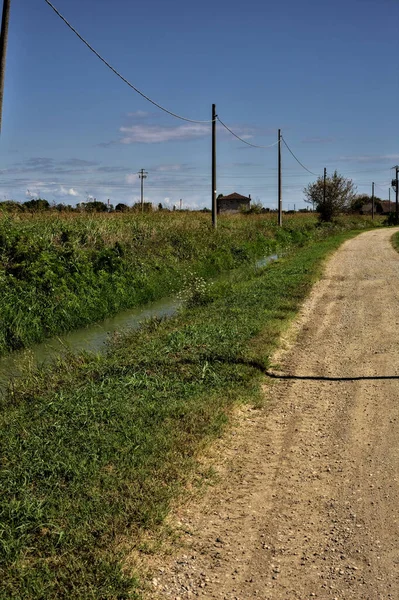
<point x="338" y="197"/>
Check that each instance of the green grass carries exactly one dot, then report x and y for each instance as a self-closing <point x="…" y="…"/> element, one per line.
<point x="395" y="241"/>
<point x="58" y="273"/>
<point x="94" y="450"/>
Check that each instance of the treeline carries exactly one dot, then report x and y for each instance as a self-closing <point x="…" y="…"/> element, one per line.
<point x="92" y="206"/>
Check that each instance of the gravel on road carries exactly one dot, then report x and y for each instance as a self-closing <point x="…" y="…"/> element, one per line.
<point x="307" y="502"/>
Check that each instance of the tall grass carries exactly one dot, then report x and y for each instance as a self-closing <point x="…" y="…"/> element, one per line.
<point x="58" y="273"/>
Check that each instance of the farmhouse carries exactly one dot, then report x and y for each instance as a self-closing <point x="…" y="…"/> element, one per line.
<point x="382" y="207"/>
<point x="233" y="203"/>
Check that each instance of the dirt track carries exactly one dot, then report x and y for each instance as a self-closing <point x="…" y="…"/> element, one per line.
<point x="308" y="500"/>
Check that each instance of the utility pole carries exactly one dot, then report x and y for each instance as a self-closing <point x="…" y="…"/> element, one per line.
<point x="324" y="186"/>
<point x="372" y="200"/>
<point x="397" y="193"/>
<point x="181" y="203"/>
<point x="3" y="50"/>
<point x="389" y="199"/>
<point x="142" y="175"/>
<point x="214" y="200"/>
<point x="280" y="198"/>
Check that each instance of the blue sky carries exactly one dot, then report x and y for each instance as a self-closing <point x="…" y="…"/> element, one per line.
<point x="326" y="73"/>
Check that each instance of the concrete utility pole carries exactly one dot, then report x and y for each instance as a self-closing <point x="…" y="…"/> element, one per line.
<point x="214" y="200"/>
<point x="372" y="200"/>
<point x="142" y="175"/>
<point x="3" y="51"/>
<point x="280" y="197"/>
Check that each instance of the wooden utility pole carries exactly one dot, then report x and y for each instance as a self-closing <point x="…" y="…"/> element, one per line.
<point x="142" y="175"/>
<point x="280" y="197"/>
<point x="3" y="51"/>
<point x="372" y="200"/>
<point x="214" y="200"/>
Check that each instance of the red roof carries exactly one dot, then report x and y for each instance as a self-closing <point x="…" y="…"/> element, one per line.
<point x="234" y="196"/>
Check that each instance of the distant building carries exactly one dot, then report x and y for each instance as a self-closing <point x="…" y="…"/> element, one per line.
<point x="387" y="207"/>
<point x="233" y="203"/>
<point x="382" y="207"/>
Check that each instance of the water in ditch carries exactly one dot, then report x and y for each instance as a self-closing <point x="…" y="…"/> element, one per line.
<point x="92" y="338"/>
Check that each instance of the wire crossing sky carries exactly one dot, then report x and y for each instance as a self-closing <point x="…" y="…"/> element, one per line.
<point x="172" y="114"/>
<point x="72" y="131"/>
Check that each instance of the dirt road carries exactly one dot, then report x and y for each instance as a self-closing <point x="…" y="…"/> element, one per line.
<point x="308" y="500"/>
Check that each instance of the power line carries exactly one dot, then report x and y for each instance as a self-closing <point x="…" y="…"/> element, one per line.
<point x="239" y="138"/>
<point x="297" y="160"/>
<point x="117" y="72"/>
<point x="365" y="171"/>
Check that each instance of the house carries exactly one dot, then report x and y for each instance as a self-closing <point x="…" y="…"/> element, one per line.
<point x="387" y="207"/>
<point x="382" y="207"/>
<point x="233" y="203"/>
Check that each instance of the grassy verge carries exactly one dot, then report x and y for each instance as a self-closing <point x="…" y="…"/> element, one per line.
<point x="97" y="447"/>
<point x="395" y="241"/>
<point x="58" y="273"/>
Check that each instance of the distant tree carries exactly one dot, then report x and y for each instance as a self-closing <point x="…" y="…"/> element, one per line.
<point x="94" y="206"/>
<point x="121" y="207"/>
<point x="160" y="207"/>
<point x="361" y="199"/>
<point x="64" y="207"/>
<point x="256" y="208"/>
<point x="147" y="207"/>
<point x="11" y="206"/>
<point x="37" y="204"/>
<point x="340" y="193"/>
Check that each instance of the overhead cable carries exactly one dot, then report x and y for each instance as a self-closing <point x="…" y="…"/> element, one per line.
<point x="241" y="140"/>
<point x="117" y="72"/>
<point x="297" y="160"/>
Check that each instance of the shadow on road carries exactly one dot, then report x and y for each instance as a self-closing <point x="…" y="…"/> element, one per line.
<point x="328" y="378"/>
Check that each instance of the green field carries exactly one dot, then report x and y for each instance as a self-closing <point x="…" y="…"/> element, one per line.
<point x="58" y="273"/>
<point x="94" y="449"/>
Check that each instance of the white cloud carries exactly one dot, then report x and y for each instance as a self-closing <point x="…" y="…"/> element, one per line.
<point x="153" y="134"/>
<point x="141" y="114"/>
<point x="370" y="158"/>
<point x="168" y="168"/>
<point x="65" y="192"/>
<point x="32" y="193"/>
<point x="132" y="178"/>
